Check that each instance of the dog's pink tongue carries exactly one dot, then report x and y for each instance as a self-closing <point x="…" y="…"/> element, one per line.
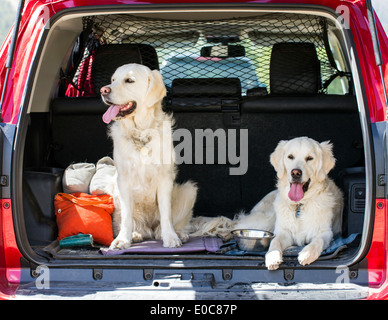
<point x="296" y="192"/>
<point x="111" y="113"/>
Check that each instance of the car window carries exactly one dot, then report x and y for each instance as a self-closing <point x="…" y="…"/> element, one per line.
<point x="178" y="46"/>
<point x="193" y="66"/>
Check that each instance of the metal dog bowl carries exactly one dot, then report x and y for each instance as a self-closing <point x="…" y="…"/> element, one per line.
<point x="252" y="239"/>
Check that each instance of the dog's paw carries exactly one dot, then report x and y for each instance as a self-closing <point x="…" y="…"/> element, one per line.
<point x="171" y="241"/>
<point x="120" y="243"/>
<point x="183" y="236"/>
<point x="273" y="259"/>
<point x="137" y="237"/>
<point x="308" y="255"/>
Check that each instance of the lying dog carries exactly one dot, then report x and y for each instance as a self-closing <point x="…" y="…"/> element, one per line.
<point x="152" y="204"/>
<point x="306" y="208"/>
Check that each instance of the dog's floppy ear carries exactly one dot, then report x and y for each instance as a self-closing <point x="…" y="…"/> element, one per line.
<point x="276" y="159"/>
<point x="327" y="160"/>
<point x="156" y="89"/>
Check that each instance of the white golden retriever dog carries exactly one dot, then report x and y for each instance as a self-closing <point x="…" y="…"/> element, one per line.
<point x="152" y="204"/>
<point x="306" y="208"/>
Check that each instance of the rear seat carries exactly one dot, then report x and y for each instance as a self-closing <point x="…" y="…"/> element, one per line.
<point x="200" y="104"/>
<point x="206" y="94"/>
<point x="299" y="110"/>
<point x="78" y="132"/>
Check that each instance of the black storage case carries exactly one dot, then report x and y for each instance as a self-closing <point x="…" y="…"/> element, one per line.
<point x="39" y="188"/>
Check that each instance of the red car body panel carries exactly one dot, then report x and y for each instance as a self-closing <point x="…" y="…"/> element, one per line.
<point x="35" y="16"/>
<point x="9" y="252"/>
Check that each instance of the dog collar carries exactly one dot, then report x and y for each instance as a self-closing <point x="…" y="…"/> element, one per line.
<point x="298" y="210"/>
<point x="141" y="144"/>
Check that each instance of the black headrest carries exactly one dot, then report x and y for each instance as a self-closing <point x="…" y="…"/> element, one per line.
<point x="294" y="69"/>
<point x="204" y="91"/>
<point x="109" y="57"/>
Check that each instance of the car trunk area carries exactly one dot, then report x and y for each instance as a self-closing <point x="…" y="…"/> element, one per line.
<point x="303" y="87"/>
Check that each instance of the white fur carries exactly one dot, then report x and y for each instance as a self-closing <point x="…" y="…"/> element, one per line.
<point x="320" y="209"/>
<point x="209" y="226"/>
<point x="152" y="205"/>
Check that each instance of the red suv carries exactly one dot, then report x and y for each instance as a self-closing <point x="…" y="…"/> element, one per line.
<point x="60" y="53"/>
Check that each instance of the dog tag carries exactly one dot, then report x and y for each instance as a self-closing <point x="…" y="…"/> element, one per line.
<point x="144" y="151"/>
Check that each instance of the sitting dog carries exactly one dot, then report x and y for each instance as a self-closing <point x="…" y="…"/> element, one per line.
<point x="152" y="205"/>
<point x="306" y="208"/>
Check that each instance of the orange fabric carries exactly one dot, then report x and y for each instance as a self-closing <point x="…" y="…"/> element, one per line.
<point x="84" y="213"/>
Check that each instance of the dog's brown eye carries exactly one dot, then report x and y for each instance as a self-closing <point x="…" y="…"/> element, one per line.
<point x="129" y="80"/>
<point x="291" y="157"/>
<point x="309" y="158"/>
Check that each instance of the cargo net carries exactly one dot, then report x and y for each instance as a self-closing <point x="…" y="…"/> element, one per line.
<point x="214" y="49"/>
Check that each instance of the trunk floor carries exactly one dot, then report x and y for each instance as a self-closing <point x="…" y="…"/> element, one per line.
<point x="53" y="250"/>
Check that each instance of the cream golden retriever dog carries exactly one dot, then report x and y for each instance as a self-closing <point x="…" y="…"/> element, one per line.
<point x="306" y="208"/>
<point x="152" y="204"/>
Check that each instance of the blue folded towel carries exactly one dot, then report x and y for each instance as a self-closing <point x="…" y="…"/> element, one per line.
<point x="337" y="244"/>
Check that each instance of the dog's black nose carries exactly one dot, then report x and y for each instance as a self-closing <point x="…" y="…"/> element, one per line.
<point x="296" y="174"/>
